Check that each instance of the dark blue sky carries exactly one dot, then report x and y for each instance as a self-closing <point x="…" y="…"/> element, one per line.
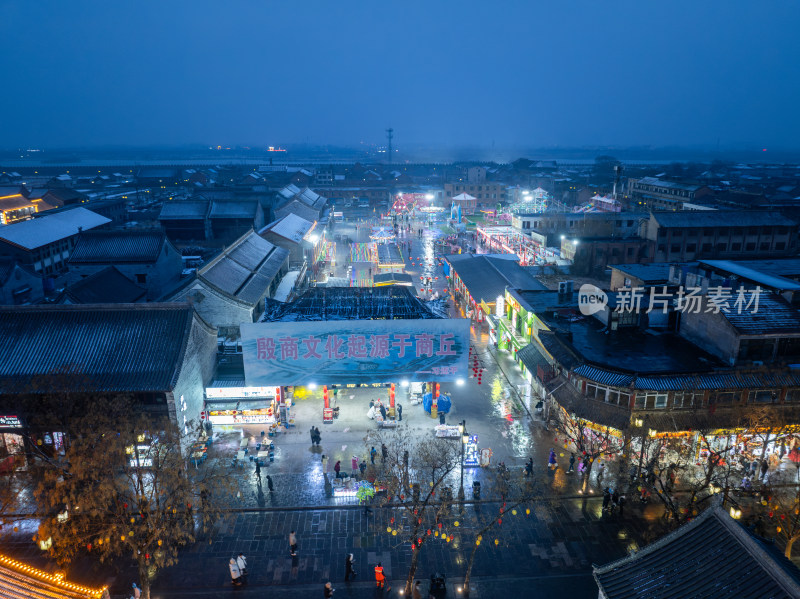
<point x="529" y="73"/>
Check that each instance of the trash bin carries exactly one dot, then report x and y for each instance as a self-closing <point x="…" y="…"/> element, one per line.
<point x="476" y="490"/>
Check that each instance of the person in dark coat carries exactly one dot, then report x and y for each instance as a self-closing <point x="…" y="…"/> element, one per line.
<point x="384" y="452"/>
<point x="372" y="453"/>
<point x="606" y="498"/>
<point x="399" y="412"/>
<point x="362" y="466"/>
<point x="313" y="433"/>
<point x="349" y="571"/>
<point x="337" y="467"/>
<point x="383" y="411"/>
<point x="269" y="483"/>
<point x="329" y="590"/>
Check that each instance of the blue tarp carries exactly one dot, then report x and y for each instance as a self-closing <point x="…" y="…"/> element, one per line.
<point x="443" y="404"/>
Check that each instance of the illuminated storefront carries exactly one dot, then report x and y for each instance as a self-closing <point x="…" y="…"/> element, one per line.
<point x="240" y="404"/>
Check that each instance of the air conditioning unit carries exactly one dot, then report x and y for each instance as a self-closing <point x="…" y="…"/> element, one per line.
<point x="565" y="287"/>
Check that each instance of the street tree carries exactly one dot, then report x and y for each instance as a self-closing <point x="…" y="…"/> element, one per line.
<point x="591" y="444"/>
<point x="125" y="488"/>
<point x="414" y="482"/>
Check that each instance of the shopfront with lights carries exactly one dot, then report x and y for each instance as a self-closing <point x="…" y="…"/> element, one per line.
<point x="231" y="403"/>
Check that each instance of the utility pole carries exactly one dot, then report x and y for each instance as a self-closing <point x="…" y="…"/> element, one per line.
<point x="389" y="136"/>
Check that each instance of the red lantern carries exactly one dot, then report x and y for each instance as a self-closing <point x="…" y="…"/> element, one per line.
<point x="391" y="521"/>
<point x="440" y="525"/>
<point x="89" y="546"/>
<point x="429" y="532"/>
<point x="770" y="514"/>
<point x="499" y="520"/>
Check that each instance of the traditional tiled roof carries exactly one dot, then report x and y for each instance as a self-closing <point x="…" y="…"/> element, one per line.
<point x="487" y="277"/>
<point x="245" y="270"/>
<point x="657" y="272"/>
<point x="233" y="209"/>
<point x="107" y="286"/>
<point x="117" y="247"/>
<point x="774" y="315"/>
<point x="711" y="556"/>
<point x="184" y="210"/>
<point x="109" y="348"/>
<point x="32" y="234"/>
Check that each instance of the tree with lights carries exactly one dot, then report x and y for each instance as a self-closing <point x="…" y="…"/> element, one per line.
<point x="414" y="479"/>
<point x="125" y="488"/>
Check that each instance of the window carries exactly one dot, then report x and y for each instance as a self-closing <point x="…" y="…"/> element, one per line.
<point x="662" y="248"/>
<point x="691" y="247"/>
<point x="780" y="245"/>
<point x="708" y="232"/>
<point x="706" y="247"/>
<point x="661" y="401"/>
<point x="651" y="400"/>
<point x="792" y="395"/>
<point x="692" y="232"/>
<point x="766" y="230"/>
<point x="687" y="399"/>
<point x="750" y="246"/>
<point x="675" y="248"/>
<point x="722" y="246"/>
<point x="641" y="401"/>
<point x="762" y="396"/>
<point x="629" y="252"/>
<point x="764" y="246"/>
<point x="726" y="397"/>
<point x="722" y="231"/>
<point x="677" y="233"/>
<point x="735" y="247"/>
<point x="140" y="278"/>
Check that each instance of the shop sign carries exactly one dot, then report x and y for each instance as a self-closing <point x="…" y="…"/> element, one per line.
<point x="355" y="351"/>
<point x="240" y="392"/>
<point x="260" y="416"/>
<point x="10" y="422"/>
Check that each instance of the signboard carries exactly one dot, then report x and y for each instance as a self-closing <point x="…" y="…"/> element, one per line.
<point x="10" y="422"/>
<point x="355" y="351"/>
<point x="240" y="392"/>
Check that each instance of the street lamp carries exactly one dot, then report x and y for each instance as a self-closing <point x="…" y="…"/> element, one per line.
<point x="462" y="430"/>
<point x="640" y="424"/>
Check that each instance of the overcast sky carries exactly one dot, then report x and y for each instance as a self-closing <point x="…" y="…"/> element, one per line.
<point x="527" y="73"/>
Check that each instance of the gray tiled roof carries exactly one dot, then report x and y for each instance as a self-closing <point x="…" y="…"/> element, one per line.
<point x="486" y="277"/>
<point x="124" y="347"/>
<point x="107" y="286"/>
<point x="233" y="209"/>
<point x="774" y="315"/>
<point x="184" y="210"/>
<point x="246" y="269"/>
<point x="114" y="247"/>
<point x="656" y="272"/>
<point x="711" y="556"/>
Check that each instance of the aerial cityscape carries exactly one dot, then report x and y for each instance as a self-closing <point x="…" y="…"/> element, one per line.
<point x="370" y="300"/>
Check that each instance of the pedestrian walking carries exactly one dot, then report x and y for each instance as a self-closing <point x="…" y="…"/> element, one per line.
<point x="348" y="567"/>
<point x="383" y="410"/>
<point x="372" y="453"/>
<point x="354" y="466"/>
<point x="137" y="592"/>
<point x="269" y="483"/>
<point x="236" y="575"/>
<point x="551" y="460"/>
<point x="319" y="436"/>
<point x="622" y="501"/>
<point x="764" y="469"/>
<point x="600" y="469"/>
<point x="313" y="433"/>
<point x="337" y="468"/>
<point x="529" y="467"/>
<point x="371" y="403"/>
<point x="258" y="470"/>
<point x="571" y="468"/>
<point x="329" y="590"/>
<point x="380" y="579"/>
<point x="399" y="412"/>
<point x="606" y="498"/>
<point x="241" y="561"/>
<point x="362" y="467"/>
<point x="615" y="498"/>
<point x="384" y="452"/>
<point x="293" y="542"/>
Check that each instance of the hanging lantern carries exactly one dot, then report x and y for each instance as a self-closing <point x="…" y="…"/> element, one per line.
<point x="778" y="529"/>
<point x="388" y="529"/>
<point x="391" y="519"/>
<point x="394" y="533"/>
<point x="89" y="545"/>
<point x="513" y="512"/>
<point x="159" y="542"/>
<point x="477" y="541"/>
<point x="496" y="541"/>
<point x="455" y="523"/>
<point x="528" y="511"/>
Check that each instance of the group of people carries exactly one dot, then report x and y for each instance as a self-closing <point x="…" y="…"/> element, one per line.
<point x="238" y="568"/>
<point x="356" y="467"/>
<point x="613" y="500"/>
<point x="376" y="407"/>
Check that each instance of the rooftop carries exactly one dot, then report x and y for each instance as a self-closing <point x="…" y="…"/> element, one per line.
<point x="184" y="210"/>
<point x="711" y="556"/>
<point x="115" y="247"/>
<point x="107" y="286"/>
<point x="722" y="218"/>
<point x="120" y="347"/>
<point x="773" y="315"/>
<point x="32" y="234"/>
<point x="291" y="227"/>
<point x="233" y="209"/>
<point x="651" y="274"/>
<point x="487" y="277"/>
<point x="748" y="272"/>
<point x="669" y="184"/>
<point x="245" y="269"/>
<point x="352" y="303"/>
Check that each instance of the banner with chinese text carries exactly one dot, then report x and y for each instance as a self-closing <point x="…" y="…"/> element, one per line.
<point x="355" y="351"/>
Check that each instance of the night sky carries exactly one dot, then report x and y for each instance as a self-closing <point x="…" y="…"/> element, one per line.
<point x="528" y="73"/>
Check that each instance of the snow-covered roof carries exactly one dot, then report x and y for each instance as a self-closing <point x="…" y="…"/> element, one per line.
<point x="289" y="191"/>
<point x="462" y="197"/>
<point x="32" y="234"/>
<point x="291" y="227"/>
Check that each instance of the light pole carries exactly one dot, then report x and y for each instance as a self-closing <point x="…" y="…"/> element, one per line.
<point x="462" y="430"/>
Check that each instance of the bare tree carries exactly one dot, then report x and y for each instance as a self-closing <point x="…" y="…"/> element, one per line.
<point x="415" y="477"/>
